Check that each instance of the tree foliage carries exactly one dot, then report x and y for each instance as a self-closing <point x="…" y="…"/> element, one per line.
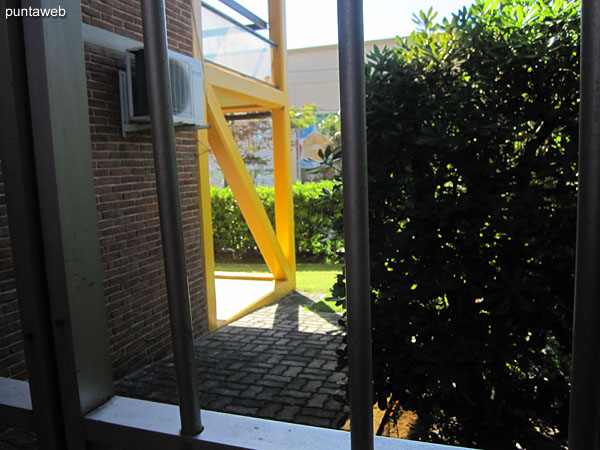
<point x="472" y="148"/>
<point x="303" y="116"/>
<point x="253" y="136"/>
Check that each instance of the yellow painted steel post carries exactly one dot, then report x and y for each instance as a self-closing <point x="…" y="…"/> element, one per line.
<point x="277" y="35"/>
<point x="282" y="169"/>
<point x="207" y="229"/>
<point x="204" y="192"/>
<point x="282" y="154"/>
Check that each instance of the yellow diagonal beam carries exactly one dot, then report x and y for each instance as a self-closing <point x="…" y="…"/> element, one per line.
<point x="238" y="178"/>
<point x="248" y="90"/>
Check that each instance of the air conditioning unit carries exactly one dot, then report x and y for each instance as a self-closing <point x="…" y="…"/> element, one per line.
<point x="187" y="94"/>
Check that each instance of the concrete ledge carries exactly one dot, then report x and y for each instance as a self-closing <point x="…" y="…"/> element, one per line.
<point x="107" y="39"/>
<point x="155" y="426"/>
<point x="142" y="424"/>
<point x="15" y="404"/>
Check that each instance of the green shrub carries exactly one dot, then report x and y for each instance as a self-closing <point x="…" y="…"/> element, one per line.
<point x="472" y="149"/>
<point x="312" y="214"/>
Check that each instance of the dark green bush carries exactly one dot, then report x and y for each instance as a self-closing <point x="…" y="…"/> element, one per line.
<point x="314" y="209"/>
<point x="472" y="149"/>
<point x="312" y="214"/>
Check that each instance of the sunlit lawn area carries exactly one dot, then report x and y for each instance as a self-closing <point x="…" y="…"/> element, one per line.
<point x="309" y="277"/>
<point x="313" y="278"/>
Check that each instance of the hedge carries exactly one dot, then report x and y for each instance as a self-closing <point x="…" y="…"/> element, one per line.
<point x="472" y="135"/>
<point x="312" y="213"/>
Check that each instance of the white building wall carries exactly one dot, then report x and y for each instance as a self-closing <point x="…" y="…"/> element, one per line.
<point x="313" y="75"/>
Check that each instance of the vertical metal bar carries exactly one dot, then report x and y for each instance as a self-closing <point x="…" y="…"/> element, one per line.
<point x="356" y="221"/>
<point x="167" y="185"/>
<point x="584" y="417"/>
<point x="26" y="236"/>
<point x="257" y="22"/>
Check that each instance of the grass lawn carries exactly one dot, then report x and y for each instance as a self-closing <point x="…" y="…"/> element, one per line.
<point x="309" y="277"/>
<point x="314" y="278"/>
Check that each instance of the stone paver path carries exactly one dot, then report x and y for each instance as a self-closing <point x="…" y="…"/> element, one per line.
<point x="278" y="362"/>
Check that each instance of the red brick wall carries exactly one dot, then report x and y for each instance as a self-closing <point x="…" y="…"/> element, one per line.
<point x="12" y="362"/>
<point x="123" y="17"/>
<point x="127" y="209"/>
<point x="126" y="200"/>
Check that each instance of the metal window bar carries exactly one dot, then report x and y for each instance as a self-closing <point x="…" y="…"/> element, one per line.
<point x="257" y="22"/>
<point x="74" y="311"/>
<point x="16" y="154"/>
<point x="356" y="221"/>
<point x="584" y="414"/>
<point x="167" y="186"/>
<point x="238" y="24"/>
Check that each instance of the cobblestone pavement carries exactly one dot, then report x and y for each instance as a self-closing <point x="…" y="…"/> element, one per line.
<point x="278" y="363"/>
<point x="15" y="439"/>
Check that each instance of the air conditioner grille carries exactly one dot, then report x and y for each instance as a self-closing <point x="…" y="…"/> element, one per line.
<point x="186" y="85"/>
<point x="180" y="88"/>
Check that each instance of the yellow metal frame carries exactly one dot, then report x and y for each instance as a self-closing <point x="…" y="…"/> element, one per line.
<point x="227" y="91"/>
